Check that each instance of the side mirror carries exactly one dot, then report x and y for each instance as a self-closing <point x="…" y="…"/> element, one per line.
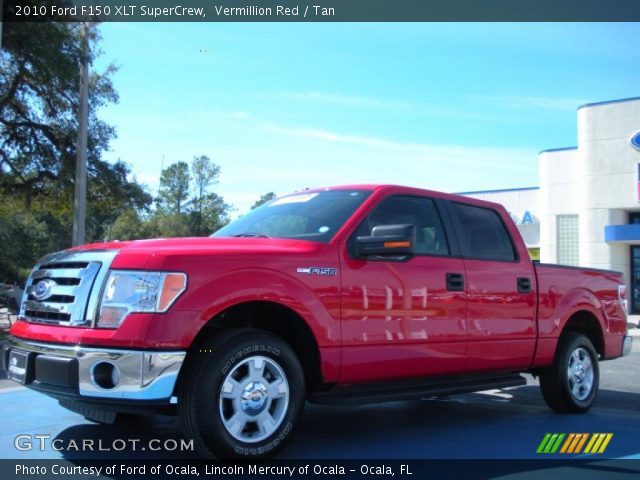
<point x="388" y="241"/>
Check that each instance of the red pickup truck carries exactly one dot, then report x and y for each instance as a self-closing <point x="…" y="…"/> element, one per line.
<point x="348" y="294"/>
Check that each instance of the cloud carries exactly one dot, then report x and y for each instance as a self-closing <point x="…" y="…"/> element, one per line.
<point x="511" y="159"/>
<point x="533" y="102"/>
<point x="258" y="154"/>
<point x="344" y="99"/>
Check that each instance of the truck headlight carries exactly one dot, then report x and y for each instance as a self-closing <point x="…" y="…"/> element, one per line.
<point x="129" y="291"/>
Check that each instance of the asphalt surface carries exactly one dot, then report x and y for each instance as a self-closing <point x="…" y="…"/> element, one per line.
<point x="500" y="424"/>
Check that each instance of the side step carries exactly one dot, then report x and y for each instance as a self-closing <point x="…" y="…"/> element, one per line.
<point x="431" y="387"/>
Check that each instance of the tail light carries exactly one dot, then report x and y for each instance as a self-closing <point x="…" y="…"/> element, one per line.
<point x="622" y="297"/>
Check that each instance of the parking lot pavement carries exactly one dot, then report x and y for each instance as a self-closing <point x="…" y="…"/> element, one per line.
<point x="495" y="425"/>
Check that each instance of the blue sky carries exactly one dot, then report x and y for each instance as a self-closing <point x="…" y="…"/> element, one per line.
<point x="281" y="107"/>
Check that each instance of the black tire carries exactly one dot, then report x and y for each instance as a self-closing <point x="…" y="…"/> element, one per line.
<point x="566" y="393"/>
<point x="205" y="411"/>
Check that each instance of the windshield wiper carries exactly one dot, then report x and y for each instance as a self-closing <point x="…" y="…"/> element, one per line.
<point x="251" y="235"/>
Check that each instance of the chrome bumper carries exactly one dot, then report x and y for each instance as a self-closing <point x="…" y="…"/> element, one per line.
<point x="627" y="343"/>
<point x="131" y="374"/>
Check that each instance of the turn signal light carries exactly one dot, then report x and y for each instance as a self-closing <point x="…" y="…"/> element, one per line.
<point x="174" y="284"/>
<point x="397" y="244"/>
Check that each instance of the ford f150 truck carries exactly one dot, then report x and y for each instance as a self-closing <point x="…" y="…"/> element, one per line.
<point x="348" y="294"/>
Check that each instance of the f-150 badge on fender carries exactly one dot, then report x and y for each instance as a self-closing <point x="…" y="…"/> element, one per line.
<point x="317" y="270"/>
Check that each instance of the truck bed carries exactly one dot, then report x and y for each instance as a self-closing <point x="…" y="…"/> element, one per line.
<point x="563" y="290"/>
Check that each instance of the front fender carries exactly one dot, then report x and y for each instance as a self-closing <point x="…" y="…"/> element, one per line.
<point x="316" y="302"/>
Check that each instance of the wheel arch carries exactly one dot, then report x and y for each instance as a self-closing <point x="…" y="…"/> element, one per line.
<point x="586" y="322"/>
<point x="270" y="316"/>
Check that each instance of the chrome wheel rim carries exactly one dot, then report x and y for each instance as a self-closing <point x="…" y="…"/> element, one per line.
<point x="580" y="374"/>
<point x="254" y="398"/>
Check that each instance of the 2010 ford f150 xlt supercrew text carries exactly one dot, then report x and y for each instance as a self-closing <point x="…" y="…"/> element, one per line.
<point x="338" y="295"/>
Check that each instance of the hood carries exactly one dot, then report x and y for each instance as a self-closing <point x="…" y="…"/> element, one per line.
<point x="203" y="245"/>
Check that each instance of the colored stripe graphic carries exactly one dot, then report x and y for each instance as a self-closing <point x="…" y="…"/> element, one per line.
<point x="574" y="442"/>
<point x="598" y="443"/>
<point x="603" y="447"/>
<point x="543" y="443"/>
<point x="567" y="444"/>
<point x="550" y="443"/>
<point x="582" y="442"/>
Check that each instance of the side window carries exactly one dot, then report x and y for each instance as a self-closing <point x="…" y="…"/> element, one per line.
<point x="421" y="212"/>
<point x="484" y="236"/>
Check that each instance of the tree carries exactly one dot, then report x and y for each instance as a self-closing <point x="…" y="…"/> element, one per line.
<point x="110" y="196"/>
<point x="267" y="197"/>
<point x="205" y="173"/>
<point x="39" y="93"/>
<point x="215" y="213"/>
<point x="169" y="225"/>
<point x="130" y="225"/>
<point x="39" y="79"/>
<point x="174" y="188"/>
<point x="178" y="214"/>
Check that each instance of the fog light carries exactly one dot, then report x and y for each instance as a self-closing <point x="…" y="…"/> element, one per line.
<point x="105" y="375"/>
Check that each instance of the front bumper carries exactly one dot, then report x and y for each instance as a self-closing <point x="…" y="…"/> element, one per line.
<point x="97" y="373"/>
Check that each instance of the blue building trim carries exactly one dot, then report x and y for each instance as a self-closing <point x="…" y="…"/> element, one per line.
<point x="622" y="233"/>
<point x="608" y="102"/>
<point x="557" y="149"/>
<point x="499" y="191"/>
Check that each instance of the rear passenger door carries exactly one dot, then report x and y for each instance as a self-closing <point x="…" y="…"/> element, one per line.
<point x="403" y="317"/>
<point x="499" y="278"/>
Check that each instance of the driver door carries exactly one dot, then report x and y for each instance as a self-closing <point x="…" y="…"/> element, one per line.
<point x="403" y="318"/>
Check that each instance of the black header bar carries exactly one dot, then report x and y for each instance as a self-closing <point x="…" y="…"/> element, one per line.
<point x="320" y="469"/>
<point x="322" y="10"/>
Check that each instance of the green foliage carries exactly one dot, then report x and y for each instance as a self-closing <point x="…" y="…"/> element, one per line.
<point x="185" y="207"/>
<point x="205" y="173"/>
<point x="39" y="93"/>
<point x="267" y="197"/>
<point x="215" y="213"/>
<point x="27" y="235"/>
<point x="174" y="188"/>
<point x="39" y="101"/>
<point x="39" y="85"/>
<point x="130" y="226"/>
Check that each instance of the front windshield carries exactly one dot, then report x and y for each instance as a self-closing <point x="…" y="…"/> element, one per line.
<point x="315" y="216"/>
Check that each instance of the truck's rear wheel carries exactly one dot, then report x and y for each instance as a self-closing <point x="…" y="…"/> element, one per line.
<point x="243" y="396"/>
<point x="570" y="385"/>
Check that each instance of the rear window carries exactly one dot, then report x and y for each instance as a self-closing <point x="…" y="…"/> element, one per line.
<point x="484" y="235"/>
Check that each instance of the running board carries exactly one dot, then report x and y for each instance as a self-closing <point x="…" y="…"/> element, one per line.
<point x="406" y="390"/>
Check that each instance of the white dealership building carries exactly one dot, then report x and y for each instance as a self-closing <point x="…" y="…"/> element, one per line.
<point x="586" y="210"/>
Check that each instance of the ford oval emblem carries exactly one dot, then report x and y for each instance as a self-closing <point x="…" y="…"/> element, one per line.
<point x="635" y="140"/>
<point x="42" y="290"/>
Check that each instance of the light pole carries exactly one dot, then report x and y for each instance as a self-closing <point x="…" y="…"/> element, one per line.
<point x="80" y="197"/>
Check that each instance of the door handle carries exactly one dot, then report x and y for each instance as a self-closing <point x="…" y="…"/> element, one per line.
<point x="455" y="282"/>
<point x="524" y="285"/>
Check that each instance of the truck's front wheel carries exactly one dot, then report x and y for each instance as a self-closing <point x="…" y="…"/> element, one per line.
<point x="243" y="396"/>
<point x="570" y="385"/>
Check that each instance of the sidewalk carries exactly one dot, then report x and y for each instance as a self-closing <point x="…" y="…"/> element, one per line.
<point x="632" y="325"/>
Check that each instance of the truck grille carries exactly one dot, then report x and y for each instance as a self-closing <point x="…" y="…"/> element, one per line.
<point x="59" y="290"/>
